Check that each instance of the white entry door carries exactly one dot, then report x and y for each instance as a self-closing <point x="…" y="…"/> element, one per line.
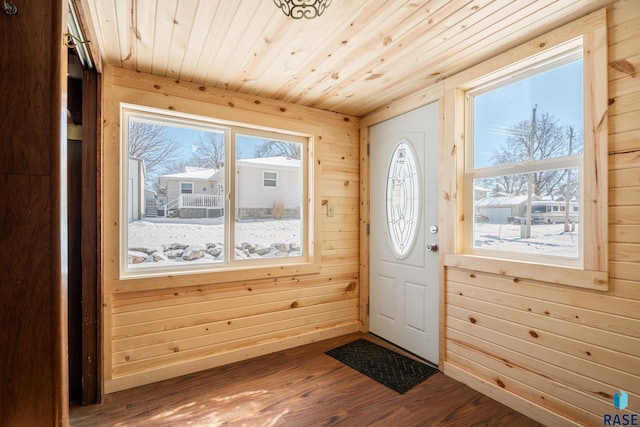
<point x="404" y="282"/>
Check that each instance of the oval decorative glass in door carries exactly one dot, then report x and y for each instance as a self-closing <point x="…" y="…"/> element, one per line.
<point x="403" y="199"/>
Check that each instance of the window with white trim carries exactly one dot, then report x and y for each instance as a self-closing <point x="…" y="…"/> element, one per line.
<point x="186" y="188"/>
<point x="524" y="161"/>
<point x="494" y="228"/>
<point x="270" y="179"/>
<point x="176" y="222"/>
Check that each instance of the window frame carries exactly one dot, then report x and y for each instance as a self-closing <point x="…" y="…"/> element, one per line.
<point x="591" y="31"/>
<point x="186" y="182"/>
<point x="282" y="266"/>
<point x="265" y="179"/>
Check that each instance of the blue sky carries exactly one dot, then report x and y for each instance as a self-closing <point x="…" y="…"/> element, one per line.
<point x="186" y="140"/>
<point x="558" y="92"/>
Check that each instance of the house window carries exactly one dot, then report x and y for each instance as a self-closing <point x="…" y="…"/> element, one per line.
<point x="186" y="188"/>
<point x="176" y="159"/>
<point x="270" y="179"/>
<point x="525" y="146"/>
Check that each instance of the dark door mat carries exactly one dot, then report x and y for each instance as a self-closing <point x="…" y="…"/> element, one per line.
<point x="394" y="370"/>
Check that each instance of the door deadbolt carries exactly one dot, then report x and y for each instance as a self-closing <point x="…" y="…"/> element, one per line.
<point x="432" y="248"/>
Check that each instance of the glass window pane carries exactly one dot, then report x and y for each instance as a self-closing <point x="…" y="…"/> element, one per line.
<point x="186" y="188"/>
<point x="175" y="207"/>
<point x="501" y="217"/>
<point x="403" y="200"/>
<point x="534" y="118"/>
<point x="178" y="202"/>
<point x="268" y="216"/>
<point x="270" y="179"/>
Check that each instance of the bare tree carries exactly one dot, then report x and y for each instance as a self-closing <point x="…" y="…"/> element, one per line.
<point x="154" y="145"/>
<point x="507" y="184"/>
<point x="209" y="151"/>
<point x="543" y="139"/>
<point x="273" y="148"/>
<point x="179" y="166"/>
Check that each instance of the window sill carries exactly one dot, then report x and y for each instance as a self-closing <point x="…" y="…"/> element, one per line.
<point x="221" y="276"/>
<point x="568" y="276"/>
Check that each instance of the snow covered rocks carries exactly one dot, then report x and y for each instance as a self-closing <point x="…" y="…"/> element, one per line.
<point x="194" y="252"/>
<point x="260" y="250"/>
<point x="163" y="242"/>
<point x="175" y="252"/>
<point x="136" y="257"/>
<point x="209" y="252"/>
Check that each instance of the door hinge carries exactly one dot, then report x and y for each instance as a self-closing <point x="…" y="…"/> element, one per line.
<point x="368" y="149"/>
<point x="368" y="307"/>
<point x="368" y="229"/>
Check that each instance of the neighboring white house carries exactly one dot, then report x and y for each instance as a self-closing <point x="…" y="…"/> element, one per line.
<point x="266" y="187"/>
<point x="135" y="202"/>
<point x="500" y="208"/>
<point x="195" y="193"/>
<point x="503" y="208"/>
<point x="480" y="193"/>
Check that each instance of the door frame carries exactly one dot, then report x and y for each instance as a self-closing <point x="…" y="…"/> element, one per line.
<point x="86" y="309"/>
<point x="419" y="99"/>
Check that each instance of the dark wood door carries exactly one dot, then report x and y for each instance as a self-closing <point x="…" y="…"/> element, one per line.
<point x="33" y="293"/>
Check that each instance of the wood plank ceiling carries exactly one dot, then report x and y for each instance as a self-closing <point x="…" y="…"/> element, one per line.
<point x="358" y="57"/>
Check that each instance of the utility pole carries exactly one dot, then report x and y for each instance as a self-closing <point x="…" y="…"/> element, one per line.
<point x="527" y="233"/>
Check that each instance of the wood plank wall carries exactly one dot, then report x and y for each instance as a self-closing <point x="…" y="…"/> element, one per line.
<point x="557" y="353"/>
<point x="193" y="322"/>
<point x="33" y="327"/>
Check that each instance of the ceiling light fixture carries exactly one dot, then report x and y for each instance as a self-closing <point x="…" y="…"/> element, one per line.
<point x="298" y="9"/>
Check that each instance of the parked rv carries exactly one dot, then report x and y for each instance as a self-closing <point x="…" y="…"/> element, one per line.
<point x="549" y="212"/>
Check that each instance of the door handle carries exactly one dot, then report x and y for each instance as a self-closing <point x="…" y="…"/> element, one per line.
<point x="432" y="247"/>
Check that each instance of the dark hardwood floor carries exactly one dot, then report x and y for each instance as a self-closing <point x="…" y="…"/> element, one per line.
<point x="297" y="387"/>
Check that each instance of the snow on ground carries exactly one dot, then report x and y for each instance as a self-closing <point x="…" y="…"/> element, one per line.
<point x="163" y="231"/>
<point x="158" y="241"/>
<point x="546" y="239"/>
